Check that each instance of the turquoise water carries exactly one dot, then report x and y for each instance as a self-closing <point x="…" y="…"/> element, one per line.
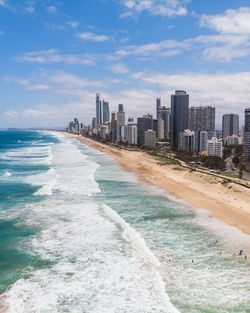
<point x="78" y="234"/>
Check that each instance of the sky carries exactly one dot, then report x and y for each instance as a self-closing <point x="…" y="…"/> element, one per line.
<point x="56" y="55"/>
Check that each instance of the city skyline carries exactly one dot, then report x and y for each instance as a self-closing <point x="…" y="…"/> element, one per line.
<point x="57" y="55"/>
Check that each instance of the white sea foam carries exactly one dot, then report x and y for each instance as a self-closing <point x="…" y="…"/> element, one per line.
<point x="47" y="180"/>
<point x="29" y="155"/>
<point x="92" y="270"/>
<point x="7" y="174"/>
<point x="100" y="264"/>
<point x="75" y="173"/>
<point x="144" y="253"/>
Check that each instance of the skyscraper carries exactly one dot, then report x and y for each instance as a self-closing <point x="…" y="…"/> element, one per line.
<point x="98" y="110"/>
<point x="187" y="140"/>
<point x="201" y="141"/>
<point x="163" y="113"/>
<point x="113" y="127"/>
<point x="144" y="123"/>
<point x="202" y="118"/>
<point x="120" y="108"/>
<point x="158" y="107"/>
<point x="230" y="125"/>
<point x="132" y="134"/>
<point x="106" y="114"/>
<point x="93" y="123"/>
<point x="120" y="120"/>
<point x="179" y="116"/>
<point x="247" y="139"/>
<point x="158" y="127"/>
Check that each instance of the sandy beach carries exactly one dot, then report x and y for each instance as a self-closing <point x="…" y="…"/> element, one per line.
<point x="227" y="202"/>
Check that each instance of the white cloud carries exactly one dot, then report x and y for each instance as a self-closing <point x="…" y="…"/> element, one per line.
<point x="51" y="9"/>
<point x="26" y="83"/>
<point x="3" y="3"/>
<point x="51" y="56"/>
<point x="226" y="91"/>
<point x="58" y="82"/>
<point x="30" y="9"/>
<point x="54" y="26"/>
<point x="225" y="53"/>
<point x="93" y="37"/>
<point x="10" y="114"/>
<point x="231" y="22"/>
<point x="119" y="68"/>
<point x="154" y="7"/>
<point x="163" y="48"/>
<point x="70" y="81"/>
<point x="73" y="24"/>
<point x="233" y="39"/>
<point x="220" y="47"/>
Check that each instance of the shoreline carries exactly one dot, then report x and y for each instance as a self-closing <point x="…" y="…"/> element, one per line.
<point x="228" y="203"/>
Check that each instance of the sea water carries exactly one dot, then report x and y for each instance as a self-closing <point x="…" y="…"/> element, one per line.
<point x="78" y="234"/>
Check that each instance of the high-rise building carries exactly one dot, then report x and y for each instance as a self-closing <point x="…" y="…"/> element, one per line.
<point x="120" y="121"/>
<point x="120" y="108"/>
<point x="113" y="127"/>
<point x="76" y="126"/>
<point x="158" y="107"/>
<point x="201" y="141"/>
<point x="247" y="139"/>
<point x="214" y="147"/>
<point x="230" y="125"/>
<point x="216" y="133"/>
<point x="105" y="109"/>
<point x="187" y="141"/>
<point x="158" y="127"/>
<point x="93" y="123"/>
<point x="163" y="113"/>
<point x="202" y="118"/>
<point x="98" y="110"/>
<point x="132" y="134"/>
<point x="144" y="123"/>
<point x="104" y="131"/>
<point x="179" y="116"/>
<point x="150" y="139"/>
<point x="124" y="133"/>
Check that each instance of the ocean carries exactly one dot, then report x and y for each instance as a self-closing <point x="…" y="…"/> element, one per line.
<point x="79" y="234"/>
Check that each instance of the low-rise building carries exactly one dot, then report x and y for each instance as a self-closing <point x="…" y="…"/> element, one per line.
<point x="234" y="140"/>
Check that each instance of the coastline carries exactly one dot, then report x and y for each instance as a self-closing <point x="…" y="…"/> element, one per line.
<point x="226" y="202"/>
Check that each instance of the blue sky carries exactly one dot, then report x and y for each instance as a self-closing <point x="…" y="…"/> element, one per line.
<point x="55" y="55"/>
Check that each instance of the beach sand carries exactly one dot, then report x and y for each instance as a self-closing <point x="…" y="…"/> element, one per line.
<point x="229" y="202"/>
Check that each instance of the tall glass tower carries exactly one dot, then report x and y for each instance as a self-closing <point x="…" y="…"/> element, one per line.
<point x="179" y="116"/>
<point x="98" y="110"/>
<point x="106" y="114"/>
